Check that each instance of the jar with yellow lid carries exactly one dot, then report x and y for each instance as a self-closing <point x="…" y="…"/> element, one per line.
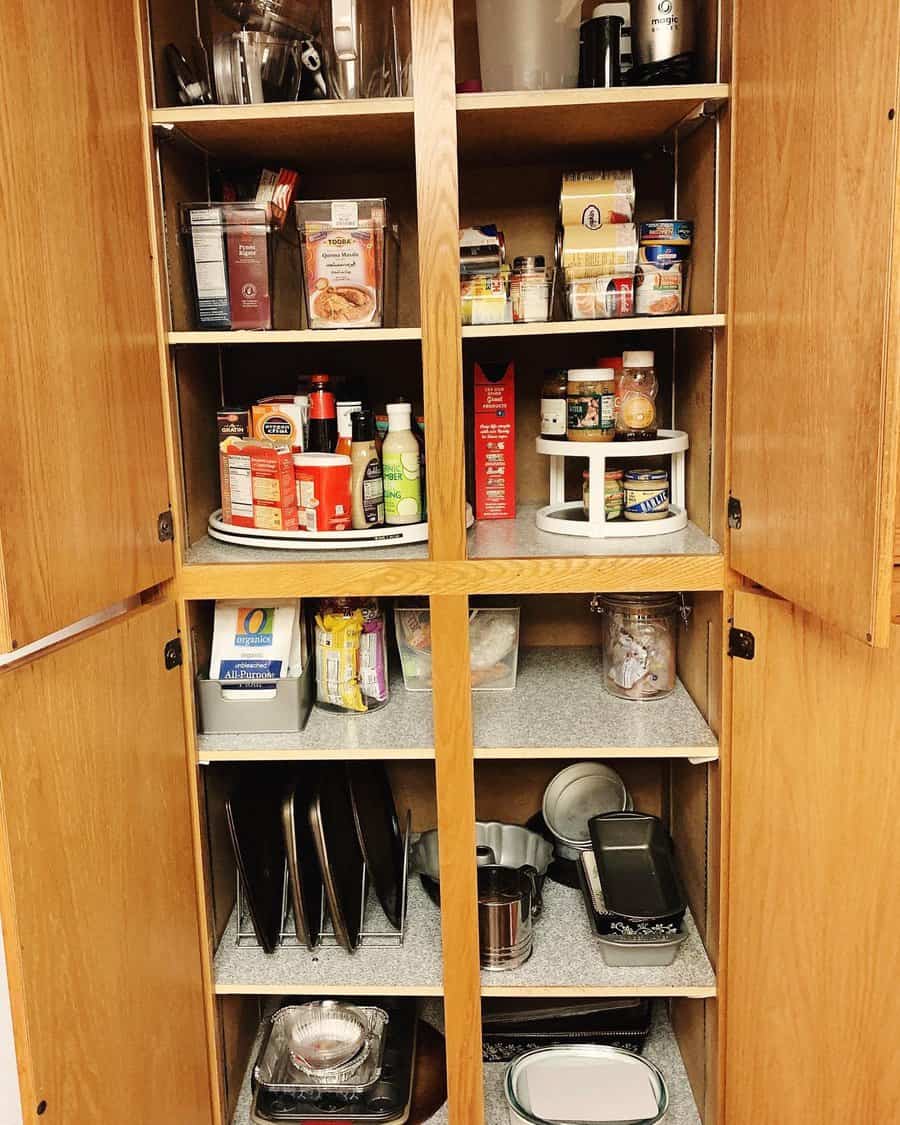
<point x="590" y="404"/>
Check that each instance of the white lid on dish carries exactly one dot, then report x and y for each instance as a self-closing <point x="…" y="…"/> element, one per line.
<point x="591" y="375"/>
<point x="320" y="460"/>
<point x="638" y="359"/>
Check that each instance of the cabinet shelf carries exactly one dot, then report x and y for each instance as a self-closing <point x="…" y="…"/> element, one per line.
<point x="687" y="559"/>
<point x="411" y="969"/>
<point x="297" y="336"/>
<point x="401" y="730"/>
<point x="591" y="327"/>
<point x="564" y="925"/>
<point x="661" y="1048"/>
<point x="371" y="133"/>
<point x="545" y="716"/>
<point x="542" y="125"/>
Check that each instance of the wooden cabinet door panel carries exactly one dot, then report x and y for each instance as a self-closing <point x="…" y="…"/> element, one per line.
<point x="812" y="1011"/>
<point x="100" y="910"/>
<point x="814" y="382"/>
<point x="82" y="458"/>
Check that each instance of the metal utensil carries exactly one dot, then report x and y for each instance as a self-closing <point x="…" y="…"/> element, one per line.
<point x="508" y="903"/>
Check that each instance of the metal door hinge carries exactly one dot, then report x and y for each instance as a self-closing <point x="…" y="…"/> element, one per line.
<point x="734" y="512"/>
<point x="172" y="655"/>
<point x="741" y="643"/>
<point x="165" y="526"/>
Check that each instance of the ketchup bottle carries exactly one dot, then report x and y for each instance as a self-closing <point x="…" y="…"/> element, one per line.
<point x="322" y="417"/>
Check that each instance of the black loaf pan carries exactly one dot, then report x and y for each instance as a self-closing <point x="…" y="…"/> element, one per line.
<point x="636" y="864"/>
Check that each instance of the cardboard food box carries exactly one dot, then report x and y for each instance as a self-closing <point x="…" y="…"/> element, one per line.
<point x="495" y="441"/>
<point x="281" y="419"/>
<point x="258" y="487"/>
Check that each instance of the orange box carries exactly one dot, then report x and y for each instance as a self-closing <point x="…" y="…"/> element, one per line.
<point x="258" y="485"/>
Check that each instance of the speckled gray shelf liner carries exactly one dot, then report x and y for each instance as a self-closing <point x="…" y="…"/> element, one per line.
<point x="560" y="701"/>
<point x="405" y="722"/>
<point x="415" y="965"/>
<point x="521" y="539"/>
<point x="432" y="1011"/>
<point x="566" y="955"/>
<point x="210" y="552"/>
<point x="661" y="1048"/>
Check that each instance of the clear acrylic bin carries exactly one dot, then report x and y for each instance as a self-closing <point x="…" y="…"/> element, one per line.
<point x="493" y="646"/>
<point x="598" y="298"/>
<point x="350" y="256"/>
<point x="231" y="251"/>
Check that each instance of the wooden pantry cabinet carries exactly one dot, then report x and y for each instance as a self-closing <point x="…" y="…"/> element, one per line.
<point x="776" y="775"/>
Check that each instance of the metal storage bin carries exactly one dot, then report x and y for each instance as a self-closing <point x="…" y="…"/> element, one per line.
<point x="267" y="707"/>
<point x="494" y="647"/>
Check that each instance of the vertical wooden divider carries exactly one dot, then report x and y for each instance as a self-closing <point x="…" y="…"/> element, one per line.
<point x="437" y="178"/>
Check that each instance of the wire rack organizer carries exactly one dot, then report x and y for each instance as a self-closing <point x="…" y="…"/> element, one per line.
<point x="370" y="934"/>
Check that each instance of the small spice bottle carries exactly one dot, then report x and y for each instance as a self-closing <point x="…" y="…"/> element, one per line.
<point x="636" y="397"/>
<point x="590" y="404"/>
<point x="553" y="406"/>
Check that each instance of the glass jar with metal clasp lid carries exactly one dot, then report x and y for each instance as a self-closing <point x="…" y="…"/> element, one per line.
<point x="639" y="642"/>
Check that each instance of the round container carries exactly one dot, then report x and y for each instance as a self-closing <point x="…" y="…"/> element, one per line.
<point x="535" y="1094"/>
<point x="573" y="796"/>
<point x="639" y="636"/>
<point x="636" y="390"/>
<point x="590" y="404"/>
<point x="646" y="494"/>
<point x="553" y="406"/>
<point x="613" y="493"/>
<point x="323" y="490"/>
<point x="328" y="1035"/>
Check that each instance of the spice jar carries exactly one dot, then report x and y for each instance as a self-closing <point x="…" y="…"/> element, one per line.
<point x="646" y="494"/>
<point x="553" y="406"/>
<point x="613" y="493"/>
<point x="639" y="633"/>
<point x="590" y="403"/>
<point x="636" y="392"/>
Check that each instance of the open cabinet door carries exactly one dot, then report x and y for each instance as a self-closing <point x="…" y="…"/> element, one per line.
<point x="812" y="1009"/>
<point x="82" y="460"/>
<point x="814" y="327"/>
<point x="97" y="887"/>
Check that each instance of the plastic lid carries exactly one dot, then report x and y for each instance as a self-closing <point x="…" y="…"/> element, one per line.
<point x="320" y="460"/>
<point x="637" y="359"/>
<point x="398" y="409"/>
<point x="362" y="423"/>
<point x="592" y="375"/>
<point x="319" y="380"/>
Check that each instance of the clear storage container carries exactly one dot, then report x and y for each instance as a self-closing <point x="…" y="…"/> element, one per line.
<point x="598" y="298"/>
<point x="231" y="251"/>
<point x="639" y="637"/>
<point x="350" y="260"/>
<point x="493" y="647"/>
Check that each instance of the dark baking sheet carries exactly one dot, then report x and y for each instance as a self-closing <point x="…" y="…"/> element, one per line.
<point x="304" y="874"/>
<point x="636" y="863"/>
<point x="378" y="832"/>
<point x="252" y="813"/>
<point x="340" y="856"/>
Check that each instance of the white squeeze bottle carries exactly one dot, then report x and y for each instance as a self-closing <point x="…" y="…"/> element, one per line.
<point x="401" y="468"/>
